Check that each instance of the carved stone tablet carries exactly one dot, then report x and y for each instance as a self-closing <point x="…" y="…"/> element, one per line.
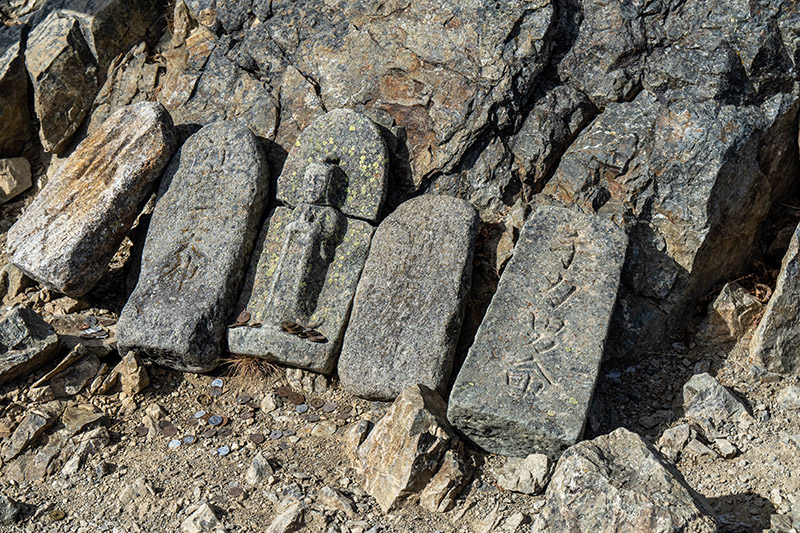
<point x="309" y="256"/>
<point x="354" y="144"/>
<point x="75" y="225"/>
<point x="200" y="237"/>
<point x="305" y="276"/>
<point x="410" y="301"/>
<point x="527" y="381"/>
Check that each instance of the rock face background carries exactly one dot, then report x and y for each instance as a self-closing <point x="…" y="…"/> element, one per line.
<point x="677" y="121"/>
<point x="673" y="122"/>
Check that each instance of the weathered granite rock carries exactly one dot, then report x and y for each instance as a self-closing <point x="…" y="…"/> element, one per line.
<point x="131" y="79"/>
<point x="64" y="75"/>
<point x="789" y="398"/>
<point x="75" y="225"/>
<point x="259" y="469"/>
<point x="132" y="375"/>
<point x="14" y="114"/>
<point x="674" y="440"/>
<point x="333" y="499"/>
<point x="708" y="401"/>
<point x="203" y="520"/>
<point x="692" y="204"/>
<point x="527" y="475"/>
<point x="776" y="341"/>
<point x="9" y="510"/>
<point x="618" y="482"/>
<point x="72" y="380"/>
<point x="200" y="237"/>
<point x="289" y="520"/>
<point x="13" y="282"/>
<point x="731" y="314"/>
<point x="404" y="451"/>
<point x="444" y="73"/>
<point x="528" y="379"/>
<point x="410" y="300"/>
<point x="309" y="256"/>
<point x="440" y="494"/>
<point x="36" y="421"/>
<point x="15" y="177"/>
<point x="27" y="343"/>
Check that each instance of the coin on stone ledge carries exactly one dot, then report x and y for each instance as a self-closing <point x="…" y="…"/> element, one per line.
<point x="256" y="438"/>
<point x="297" y="398"/>
<point x="316" y="403"/>
<point x="283" y="392"/>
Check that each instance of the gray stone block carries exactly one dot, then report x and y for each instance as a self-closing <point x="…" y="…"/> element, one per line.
<point x="410" y="301"/>
<point x="75" y="225"/>
<point x="27" y="343"/>
<point x="64" y="76"/>
<point x="776" y="342"/>
<point x="527" y="381"/>
<point x="355" y="144"/>
<point x="200" y="237"/>
<point x="309" y="256"/>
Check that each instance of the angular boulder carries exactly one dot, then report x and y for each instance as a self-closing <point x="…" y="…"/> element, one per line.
<point x="69" y="233"/>
<point x="618" y="482"/>
<point x="309" y="256"/>
<point x="733" y="312"/>
<point x="528" y="379"/>
<point x="404" y="451"/>
<point x="410" y="300"/>
<point x="693" y="182"/>
<point x="776" y="341"/>
<point x="64" y="75"/>
<point x="35" y="422"/>
<point x="708" y="401"/>
<point x="200" y="237"/>
<point x="27" y="343"/>
<point x="14" y="114"/>
<point x="15" y="177"/>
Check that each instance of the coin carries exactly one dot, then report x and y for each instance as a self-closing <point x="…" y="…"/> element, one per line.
<point x="345" y="408"/>
<point x="247" y="414"/>
<point x="199" y="414"/>
<point x="223" y="450"/>
<point x="343" y="416"/>
<point x="141" y="431"/>
<point x="189" y="439"/>
<point x="235" y="492"/>
<point x="173" y="444"/>
<point x="164" y="423"/>
<point x="217" y="383"/>
<point x="215" y="391"/>
<point x="296" y="398"/>
<point x="56" y="515"/>
<point x="275" y="434"/>
<point x="288" y="432"/>
<point x="329" y="407"/>
<point x="316" y="403"/>
<point x="311" y="417"/>
<point x="243" y="398"/>
<point x="224" y="432"/>
<point x="204" y="399"/>
<point x="256" y="438"/>
<point x="244" y="317"/>
<point x="209" y="432"/>
<point x="283" y="392"/>
<point x="215" y="420"/>
<point x="169" y="431"/>
<point x="302" y="408"/>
